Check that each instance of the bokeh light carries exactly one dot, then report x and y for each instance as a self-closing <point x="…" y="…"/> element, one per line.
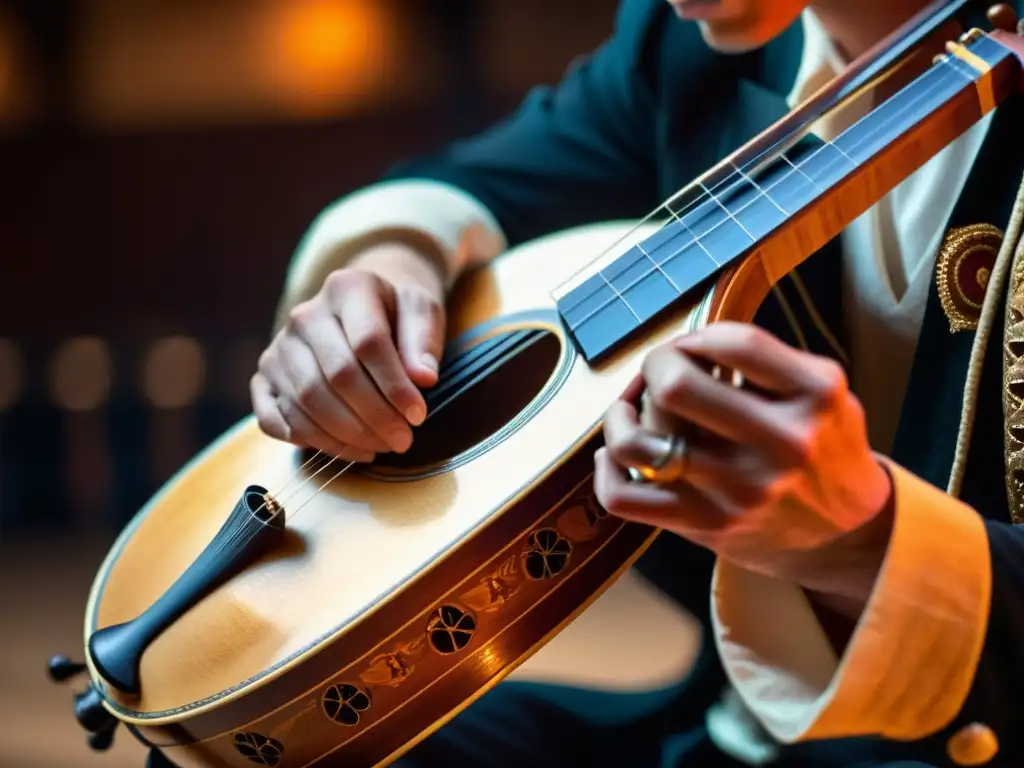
<point x="81" y="372"/>
<point x="174" y="372"/>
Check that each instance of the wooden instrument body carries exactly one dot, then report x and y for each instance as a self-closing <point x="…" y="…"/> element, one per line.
<point x="400" y="595"/>
<point x="396" y="600"/>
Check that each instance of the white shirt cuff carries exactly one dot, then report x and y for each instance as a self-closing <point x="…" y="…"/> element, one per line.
<point x="457" y="227"/>
<point x="910" y="663"/>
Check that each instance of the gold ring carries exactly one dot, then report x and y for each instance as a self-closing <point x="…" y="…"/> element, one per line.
<point x="669" y="466"/>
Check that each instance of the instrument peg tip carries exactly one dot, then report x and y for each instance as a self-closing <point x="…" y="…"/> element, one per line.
<point x="61" y="669"/>
<point x="1002" y="16"/>
<point x="102" y="740"/>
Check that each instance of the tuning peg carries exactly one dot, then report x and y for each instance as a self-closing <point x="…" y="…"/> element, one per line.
<point x="102" y="740"/>
<point x="61" y="668"/>
<point x="1002" y="16"/>
<point x="94" y="718"/>
<point x="89" y="710"/>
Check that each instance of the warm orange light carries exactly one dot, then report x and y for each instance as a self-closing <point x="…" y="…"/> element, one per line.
<point x="7" y="63"/>
<point x="326" y="52"/>
<point x="15" y="90"/>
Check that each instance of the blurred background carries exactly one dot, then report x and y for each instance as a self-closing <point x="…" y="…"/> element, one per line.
<point x="159" y="162"/>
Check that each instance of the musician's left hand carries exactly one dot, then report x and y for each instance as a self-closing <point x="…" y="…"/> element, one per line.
<point x="779" y="478"/>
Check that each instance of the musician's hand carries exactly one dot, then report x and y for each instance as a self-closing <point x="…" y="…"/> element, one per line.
<point x="343" y="374"/>
<point x="780" y="480"/>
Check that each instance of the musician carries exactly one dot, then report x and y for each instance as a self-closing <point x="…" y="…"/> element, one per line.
<point x="843" y="526"/>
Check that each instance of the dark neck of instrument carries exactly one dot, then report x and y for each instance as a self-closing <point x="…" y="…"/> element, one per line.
<point x="789" y="202"/>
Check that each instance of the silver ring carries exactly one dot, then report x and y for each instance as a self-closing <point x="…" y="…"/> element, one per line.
<point x="668" y="467"/>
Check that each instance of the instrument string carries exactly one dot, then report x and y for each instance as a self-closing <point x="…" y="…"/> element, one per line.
<point x="709" y="195"/>
<point x="924" y="92"/>
<point x="466" y="376"/>
<point x="887" y="58"/>
<point x="730" y="215"/>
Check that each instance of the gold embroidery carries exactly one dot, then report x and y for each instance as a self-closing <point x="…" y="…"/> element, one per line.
<point x="1013" y="390"/>
<point x="964" y="267"/>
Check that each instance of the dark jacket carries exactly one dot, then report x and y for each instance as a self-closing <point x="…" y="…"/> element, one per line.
<point x="631" y="124"/>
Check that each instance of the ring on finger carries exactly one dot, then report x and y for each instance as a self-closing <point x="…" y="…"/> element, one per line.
<point x="668" y="466"/>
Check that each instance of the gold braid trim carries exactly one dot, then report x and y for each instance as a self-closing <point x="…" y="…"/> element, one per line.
<point x="1013" y="374"/>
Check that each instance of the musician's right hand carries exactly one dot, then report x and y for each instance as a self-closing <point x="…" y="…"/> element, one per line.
<point x="343" y="374"/>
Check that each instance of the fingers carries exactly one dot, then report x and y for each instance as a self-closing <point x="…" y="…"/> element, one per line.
<point x="295" y="374"/>
<point x="264" y="406"/>
<point x="677" y="506"/>
<point x="372" y="422"/>
<point x="366" y="319"/>
<point x="349" y="363"/>
<point x="709" y="464"/>
<point x="295" y="427"/>
<point x="306" y="432"/>
<point x="681" y="387"/>
<point x="630" y="444"/>
<point x="765" y="360"/>
<point x="420" y="335"/>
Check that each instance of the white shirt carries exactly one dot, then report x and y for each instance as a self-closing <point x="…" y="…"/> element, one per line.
<point x="888" y="253"/>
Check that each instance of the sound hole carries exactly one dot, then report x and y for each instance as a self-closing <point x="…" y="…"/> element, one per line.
<point x="450" y="629"/>
<point x="547" y="553"/>
<point x="259" y="749"/>
<point x="481" y="390"/>
<point x="344" y="703"/>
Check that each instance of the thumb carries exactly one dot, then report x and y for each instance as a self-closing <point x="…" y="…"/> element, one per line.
<point x="420" y="329"/>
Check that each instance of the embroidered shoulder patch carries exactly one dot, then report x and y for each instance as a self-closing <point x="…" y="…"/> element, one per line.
<point x="964" y="266"/>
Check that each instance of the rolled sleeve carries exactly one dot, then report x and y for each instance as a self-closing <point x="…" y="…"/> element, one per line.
<point x="446" y="222"/>
<point x="911" y="660"/>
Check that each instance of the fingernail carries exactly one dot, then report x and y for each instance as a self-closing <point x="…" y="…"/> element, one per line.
<point x="365" y="457"/>
<point x="399" y="440"/>
<point x="415" y="414"/>
<point x="429" y="362"/>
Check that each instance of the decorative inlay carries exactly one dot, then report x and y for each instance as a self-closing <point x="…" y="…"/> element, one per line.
<point x="579" y="520"/>
<point x="467" y="617"/>
<point x="495" y="589"/>
<point x="547" y="553"/>
<point x="258" y="748"/>
<point x="450" y="629"/>
<point x="394" y="668"/>
<point x="344" y="703"/>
